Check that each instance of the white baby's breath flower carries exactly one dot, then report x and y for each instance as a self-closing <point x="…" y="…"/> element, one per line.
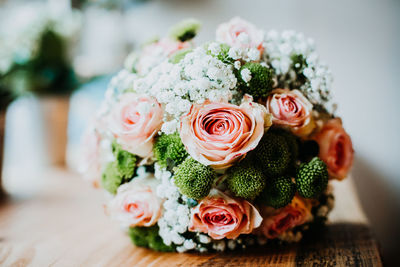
<point x="169" y="127"/>
<point x="237" y="64"/>
<point x="189" y="244"/>
<point x="204" y="239"/>
<point x="235" y="53"/>
<point x="246" y="75"/>
<point x="253" y="54"/>
<point x="214" y="48"/>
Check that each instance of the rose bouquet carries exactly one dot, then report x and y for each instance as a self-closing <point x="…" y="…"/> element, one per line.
<point x="219" y="146"/>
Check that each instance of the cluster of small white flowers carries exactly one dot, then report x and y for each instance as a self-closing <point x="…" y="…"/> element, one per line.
<point x="120" y="83"/>
<point x="23" y="25"/>
<point x="148" y="61"/>
<point x="175" y="218"/>
<point x="244" y="50"/>
<point x="246" y="54"/>
<point x="194" y="79"/>
<point x="281" y="47"/>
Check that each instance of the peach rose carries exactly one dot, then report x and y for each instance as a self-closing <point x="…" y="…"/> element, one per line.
<point x="240" y="33"/>
<point x="219" y="134"/>
<point x="278" y="221"/>
<point x="335" y="148"/>
<point x="221" y="216"/>
<point x="136" y="203"/>
<point x="134" y="122"/>
<point x="291" y="109"/>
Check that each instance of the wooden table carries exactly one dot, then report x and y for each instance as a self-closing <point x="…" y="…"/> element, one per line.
<point x="64" y="225"/>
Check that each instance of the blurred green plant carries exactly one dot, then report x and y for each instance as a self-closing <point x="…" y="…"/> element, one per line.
<point x="107" y="4"/>
<point x="48" y="72"/>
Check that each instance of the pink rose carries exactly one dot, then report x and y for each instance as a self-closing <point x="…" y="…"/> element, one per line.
<point x="240" y="34"/>
<point x="156" y="52"/>
<point x="221" y="216"/>
<point x="335" y="148"/>
<point x="291" y="109"/>
<point x="136" y="203"/>
<point x="219" y="134"/>
<point x="276" y="222"/>
<point x="168" y="46"/>
<point x="134" y="122"/>
<point x="90" y="165"/>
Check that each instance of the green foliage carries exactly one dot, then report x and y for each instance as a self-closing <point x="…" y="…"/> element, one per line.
<point x="273" y="154"/>
<point x="148" y="237"/>
<point x="185" y="30"/>
<point x="260" y="84"/>
<point x="245" y="180"/>
<point x="119" y="171"/>
<point x="169" y="150"/>
<point x="194" y="179"/>
<point x="312" y="178"/>
<point x="278" y="192"/>
<point x="179" y="55"/>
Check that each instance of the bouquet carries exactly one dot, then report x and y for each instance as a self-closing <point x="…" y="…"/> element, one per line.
<point x="220" y="146"/>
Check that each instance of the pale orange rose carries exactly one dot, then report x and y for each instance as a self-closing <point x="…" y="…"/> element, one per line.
<point x="335" y="148"/>
<point x="289" y="108"/>
<point x="221" y="216"/>
<point x="134" y="122"/>
<point x="278" y="221"/>
<point x="219" y="134"/>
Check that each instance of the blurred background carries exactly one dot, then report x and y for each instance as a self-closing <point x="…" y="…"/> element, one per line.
<point x="55" y="56"/>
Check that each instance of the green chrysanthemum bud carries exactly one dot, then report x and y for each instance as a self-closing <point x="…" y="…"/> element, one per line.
<point x="169" y="150"/>
<point x="126" y="161"/>
<point x="278" y="192"/>
<point x="111" y="178"/>
<point x="293" y="144"/>
<point x="119" y="171"/>
<point x="312" y="178"/>
<point x="260" y="84"/>
<point x="273" y="154"/>
<point x="185" y="30"/>
<point x="246" y="181"/>
<point x="194" y="179"/>
<point x="148" y="237"/>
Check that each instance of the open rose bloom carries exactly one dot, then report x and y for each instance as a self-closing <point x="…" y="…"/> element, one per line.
<point x="217" y="146"/>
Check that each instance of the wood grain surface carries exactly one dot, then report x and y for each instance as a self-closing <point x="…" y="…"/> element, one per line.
<point x="64" y="225"/>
